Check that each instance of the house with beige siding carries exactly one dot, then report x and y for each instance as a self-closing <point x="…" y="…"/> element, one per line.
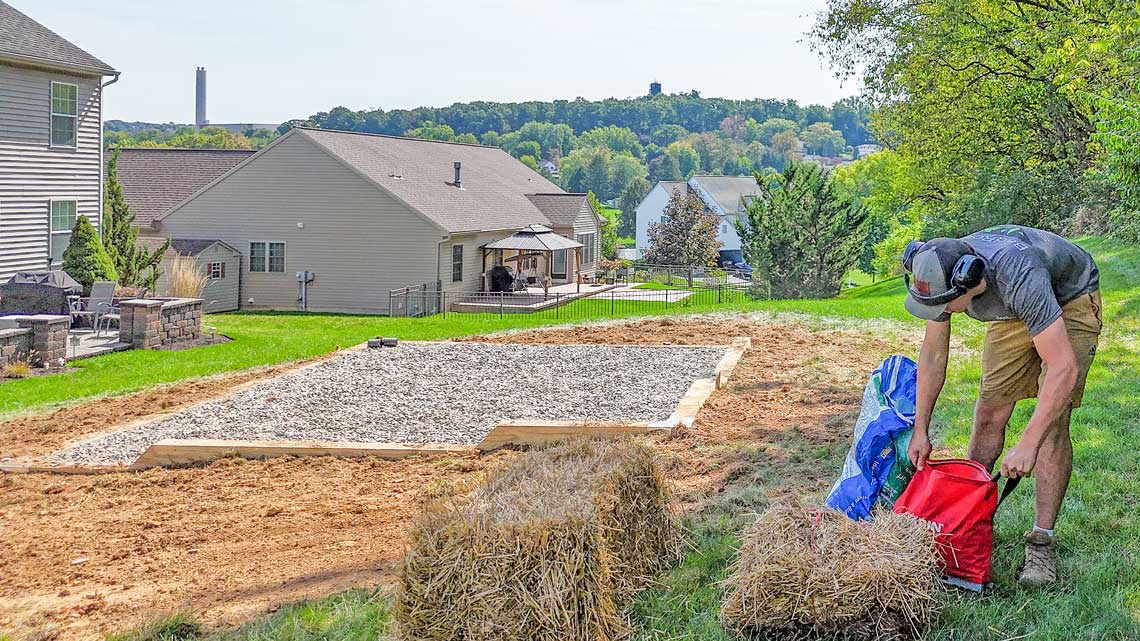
<point x="51" y="141"/>
<point x="332" y="221"/>
<point x="154" y="180"/>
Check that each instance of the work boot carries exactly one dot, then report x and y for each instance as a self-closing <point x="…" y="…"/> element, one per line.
<point x="1040" y="560"/>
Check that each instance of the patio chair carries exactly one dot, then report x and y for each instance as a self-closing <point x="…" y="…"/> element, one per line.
<point x="99" y="303"/>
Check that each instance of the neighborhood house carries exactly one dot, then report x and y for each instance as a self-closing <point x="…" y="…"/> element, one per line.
<point x="324" y="220"/>
<point x="725" y="196"/>
<point x="51" y="142"/>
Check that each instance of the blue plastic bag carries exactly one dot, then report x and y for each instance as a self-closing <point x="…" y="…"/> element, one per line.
<point x="884" y="423"/>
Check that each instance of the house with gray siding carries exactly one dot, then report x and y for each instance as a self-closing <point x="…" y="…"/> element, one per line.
<point x="51" y="141"/>
<point x="355" y="215"/>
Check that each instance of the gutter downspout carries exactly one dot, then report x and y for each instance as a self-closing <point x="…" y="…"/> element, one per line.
<point x="102" y="167"/>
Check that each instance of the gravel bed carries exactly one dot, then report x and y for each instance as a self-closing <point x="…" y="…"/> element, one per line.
<point x="430" y="393"/>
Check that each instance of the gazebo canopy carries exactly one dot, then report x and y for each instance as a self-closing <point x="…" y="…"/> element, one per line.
<point x="534" y="238"/>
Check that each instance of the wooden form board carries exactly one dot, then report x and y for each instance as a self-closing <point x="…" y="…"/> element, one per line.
<point x="171" y="452"/>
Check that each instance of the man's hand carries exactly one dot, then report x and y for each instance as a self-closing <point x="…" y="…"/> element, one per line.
<point x="919" y="449"/>
<point x="1019" y="461"/>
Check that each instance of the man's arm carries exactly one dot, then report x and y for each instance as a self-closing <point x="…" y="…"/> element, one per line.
<point x="931" y="376"/>
<point x="1054" y="397"/>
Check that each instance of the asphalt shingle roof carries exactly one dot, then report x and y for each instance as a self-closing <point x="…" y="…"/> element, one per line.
<point x="155" y="180"/>
<point x="560" y="209"/>
<point x="420" y="173"/>
<point x="728" y="191"/>
<point x="24" y="39"/>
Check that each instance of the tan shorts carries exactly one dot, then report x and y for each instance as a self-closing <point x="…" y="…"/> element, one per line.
<point x="1011" y="368"/>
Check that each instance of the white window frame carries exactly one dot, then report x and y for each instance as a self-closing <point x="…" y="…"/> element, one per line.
<point x="455" y="264"/>
<point x="52" y="115"/>
<point x="267" y="243"/>
<point x="52" y="233"/>
<point x="220" y="271"/>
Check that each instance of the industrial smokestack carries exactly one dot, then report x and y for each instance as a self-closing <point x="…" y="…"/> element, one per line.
<point x="458" y="182"/>
<point x="200" y="99"/>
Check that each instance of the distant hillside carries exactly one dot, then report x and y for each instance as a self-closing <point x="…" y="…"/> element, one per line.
<point x="139" y="127"/>
<point x="642" y="115"/>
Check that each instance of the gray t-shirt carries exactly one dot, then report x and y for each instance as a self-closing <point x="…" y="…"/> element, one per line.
<point x="1030" y="274"/>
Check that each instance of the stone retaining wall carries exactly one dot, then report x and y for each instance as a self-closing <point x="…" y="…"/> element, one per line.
<point x="149" y="323"/>
<point x="41" y="340"/>
<point x="15" y="345"/>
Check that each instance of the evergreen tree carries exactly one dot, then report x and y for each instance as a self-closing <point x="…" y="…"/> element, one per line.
<point x="120" y="238"/>
<point x="688" y="235"/>
<point x="85" y="258"/>
<point x="598" y="172"/>
<point x="801" y="235"/>
<point x="574" y="180"/>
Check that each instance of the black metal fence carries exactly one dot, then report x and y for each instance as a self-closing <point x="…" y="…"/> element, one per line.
<point x="613" y="302"/>
<point x="415" y="300"/>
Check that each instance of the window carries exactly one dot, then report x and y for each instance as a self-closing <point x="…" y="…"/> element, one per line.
<point x="589" y="249"/>
<point x="266" y="256"/>
<point x="62" y="216"/>
<point x="456" y="263"/>
<point x="664" y="219"/>
<point x="724" y="229"/>
<point x="216" y="270"/>
<point x="558" y="264"/>
<point x="64" y="114"/>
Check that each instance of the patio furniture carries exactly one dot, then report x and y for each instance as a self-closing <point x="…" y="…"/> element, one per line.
<point x="42" y="292"/>
<point x="103" y="321"/>
<point x="100" y="302"/>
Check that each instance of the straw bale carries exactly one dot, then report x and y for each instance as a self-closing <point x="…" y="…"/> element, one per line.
<point x="814" y="573"/>
<point x="552" y="545"/>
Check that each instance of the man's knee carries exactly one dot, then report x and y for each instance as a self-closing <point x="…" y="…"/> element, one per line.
<point x="991" y="419"/>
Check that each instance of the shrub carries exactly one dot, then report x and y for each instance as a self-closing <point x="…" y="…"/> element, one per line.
<point x="85" y="259"/>
<point x="16" y="369"/>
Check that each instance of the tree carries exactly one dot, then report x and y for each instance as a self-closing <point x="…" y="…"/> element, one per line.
<point x="687" y="236"/>
<point x="801" y="234"/>
<point x="598" y="171"/>
<point x="529" y="161"/>
<point x="687" y="159"/>
<point x="120" y="237"/>
<point x="527" y="148"/>
<point x="666" y="135"/>
<point x="785" y="148"/>
<point x="624" y="169"/>
<point x="85" y="259"/>
<point x="823" y="140"/>
<point x="614" y="138"/>
<point x="574" y="179"/>
<point x="431" y="131"/>
<point x="769" y="128"/>
<point x="664" y="167"/>
<point x="630" y="198"/>
<point x="999" y="100"/>
<point x="609" y="226"/>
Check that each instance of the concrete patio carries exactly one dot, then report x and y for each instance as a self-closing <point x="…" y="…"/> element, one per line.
<point x="83" y="342"/>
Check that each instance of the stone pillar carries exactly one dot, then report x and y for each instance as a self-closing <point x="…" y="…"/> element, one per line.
<point x="49" y="338"/>
<point x="139" y="321"/>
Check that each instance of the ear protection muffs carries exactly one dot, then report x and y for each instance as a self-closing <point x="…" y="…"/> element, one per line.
<point x="967" y="274"/>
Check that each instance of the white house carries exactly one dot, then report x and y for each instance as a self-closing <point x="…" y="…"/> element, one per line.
<point x="549" y="167"/>
<point x="725" y="196"/>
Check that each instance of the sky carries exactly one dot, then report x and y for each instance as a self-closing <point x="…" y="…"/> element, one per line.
<point x="273" y="60"/>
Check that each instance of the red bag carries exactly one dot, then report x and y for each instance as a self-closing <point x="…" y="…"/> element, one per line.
<point x="957" y="498"/>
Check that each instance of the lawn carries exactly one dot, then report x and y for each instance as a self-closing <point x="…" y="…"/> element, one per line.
<point x="1098" y="598"/>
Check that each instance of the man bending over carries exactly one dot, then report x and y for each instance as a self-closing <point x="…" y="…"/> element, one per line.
<point x="1039" y="297"/>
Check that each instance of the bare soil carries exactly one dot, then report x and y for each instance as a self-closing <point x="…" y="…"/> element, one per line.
<point x="88" y="555"/>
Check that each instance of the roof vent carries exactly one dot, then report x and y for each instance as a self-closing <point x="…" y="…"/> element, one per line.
<point x="458" y="182"/>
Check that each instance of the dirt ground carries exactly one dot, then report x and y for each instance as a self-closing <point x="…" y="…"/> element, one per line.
<point x="87" y="555"/>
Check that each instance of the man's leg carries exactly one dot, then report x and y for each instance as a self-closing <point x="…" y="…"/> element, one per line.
<point x="1054" y="466"/>
<point x="987" y="440"/>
